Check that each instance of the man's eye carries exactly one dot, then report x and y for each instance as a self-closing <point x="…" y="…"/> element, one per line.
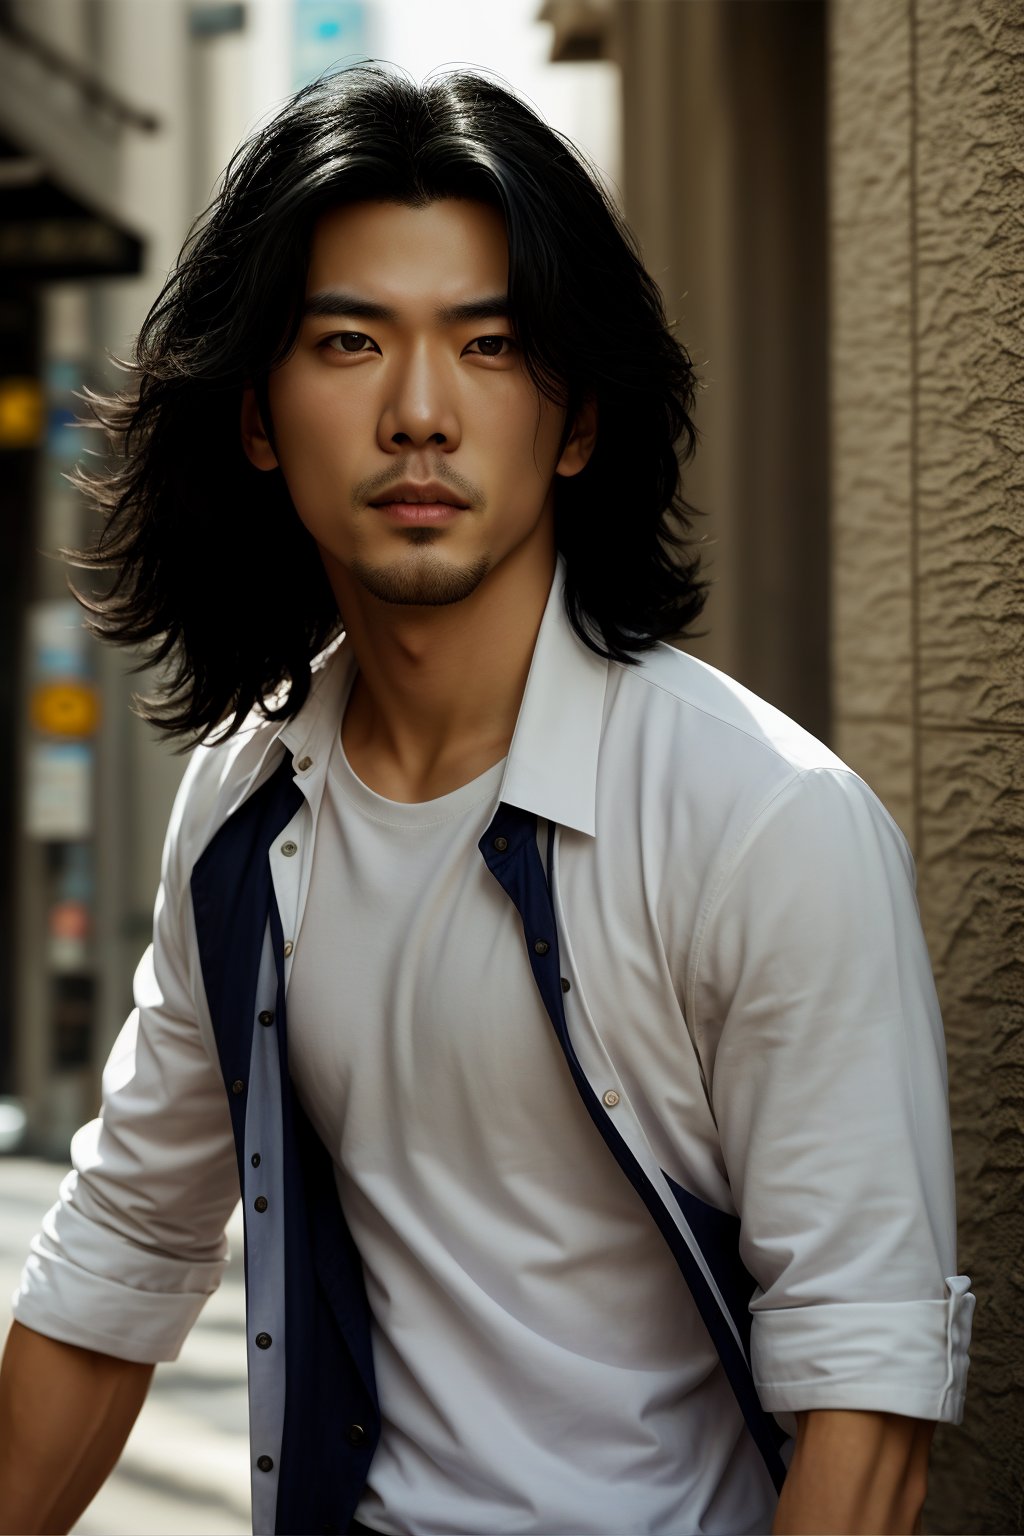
<point x="348" y="341"/>
<point x="490" y="346"/>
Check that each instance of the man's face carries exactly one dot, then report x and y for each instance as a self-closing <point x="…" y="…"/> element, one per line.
<point x="406" y="373"/>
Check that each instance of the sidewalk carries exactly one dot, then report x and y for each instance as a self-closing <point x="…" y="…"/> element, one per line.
<point x="185" y="1468"/>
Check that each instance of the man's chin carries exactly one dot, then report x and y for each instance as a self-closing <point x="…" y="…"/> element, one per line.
<point x="426" y="582"/>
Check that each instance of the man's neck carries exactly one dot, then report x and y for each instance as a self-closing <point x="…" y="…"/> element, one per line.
<point x="438" y="690"/>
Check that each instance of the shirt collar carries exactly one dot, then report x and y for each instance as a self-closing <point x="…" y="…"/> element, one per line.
<point x="551" y="768"/>
<point x="552" y="761"/>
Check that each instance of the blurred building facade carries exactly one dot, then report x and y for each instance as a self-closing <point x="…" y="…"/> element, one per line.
<point x="831" y="197"/>
<point x="61" y="231"/>
<point x="116" y="110"/>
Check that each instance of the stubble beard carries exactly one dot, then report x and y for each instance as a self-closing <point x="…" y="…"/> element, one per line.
<point x="423" y="582"/>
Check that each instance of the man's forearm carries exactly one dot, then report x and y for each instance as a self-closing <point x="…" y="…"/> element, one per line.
<point x="855" y="1472"/>
<point x="65" y="1414"/>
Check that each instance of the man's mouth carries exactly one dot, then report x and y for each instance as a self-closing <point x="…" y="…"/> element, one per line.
<point x="428" y="494"/>
<point x="420" y="513"/>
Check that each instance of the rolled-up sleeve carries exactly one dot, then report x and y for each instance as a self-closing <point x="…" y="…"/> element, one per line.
<point x="135" y="1244"/>
<point x="828" y="1080"/>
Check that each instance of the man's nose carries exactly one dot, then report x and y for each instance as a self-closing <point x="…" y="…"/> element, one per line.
<point x="420" y="408"/>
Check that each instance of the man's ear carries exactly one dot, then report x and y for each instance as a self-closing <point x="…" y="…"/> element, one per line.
<point x="580" y="442"/>
<point x="254" y="439"/>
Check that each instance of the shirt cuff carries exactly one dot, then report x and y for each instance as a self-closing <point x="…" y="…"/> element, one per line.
<point x="144" y="1315"/>
<point x="906" y="1357"/>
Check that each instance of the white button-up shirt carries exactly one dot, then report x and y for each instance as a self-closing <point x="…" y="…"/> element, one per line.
<point x="749" y="998"/>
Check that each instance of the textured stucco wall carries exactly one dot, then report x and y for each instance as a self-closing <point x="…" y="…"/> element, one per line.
<point x="927" y="389"/>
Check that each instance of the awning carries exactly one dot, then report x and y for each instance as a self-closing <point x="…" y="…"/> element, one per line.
<point x="60" y="151"/>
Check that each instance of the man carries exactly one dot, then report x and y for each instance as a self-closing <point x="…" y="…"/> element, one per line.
<point x="560" y="1008"/>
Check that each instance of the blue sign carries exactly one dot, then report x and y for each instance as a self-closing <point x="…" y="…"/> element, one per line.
<point x="326" y="34"/>
<point x="65" y="440"/>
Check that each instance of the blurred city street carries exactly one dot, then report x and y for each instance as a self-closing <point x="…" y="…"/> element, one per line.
<point x="186" y="1465"/>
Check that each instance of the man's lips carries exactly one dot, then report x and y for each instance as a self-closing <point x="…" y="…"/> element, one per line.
<point x="419" y="511"/>
<point x="414" y="493"/>
<point x="426" y="502"/>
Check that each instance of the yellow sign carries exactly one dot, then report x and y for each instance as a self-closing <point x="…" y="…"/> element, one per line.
<point x="21" y="413"/>
<point x="67" y="708"/>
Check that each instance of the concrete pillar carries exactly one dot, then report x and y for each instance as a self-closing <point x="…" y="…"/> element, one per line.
<point x="927" y="119"/>
<point x="724" y="183"/>
<point x="138" y="776"/>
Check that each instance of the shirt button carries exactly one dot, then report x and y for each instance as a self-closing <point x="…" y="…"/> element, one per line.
<point x="288" y="947"/>
<point x="263" y="1341"/>
<point x="356" y="1434"/>
<point x="304" y="763"/>
<point x="611" y="1098"/>
<point x="501" y="843"/>
<point x="260" y="1203"/>
<point x="265" y="1463"/>
<point x="255" y="1159"/>
<point x="541" y="947"/>
<point x="565" y="983"/>
<point x="289" y="848"/>
<point x="238" y="1086"/>
<point x="266" y="1017"/>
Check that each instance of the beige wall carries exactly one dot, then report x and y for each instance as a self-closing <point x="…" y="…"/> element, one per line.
<point x="927" y="128"/>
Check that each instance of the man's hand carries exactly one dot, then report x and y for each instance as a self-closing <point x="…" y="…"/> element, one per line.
<point x="855" y="1472"/>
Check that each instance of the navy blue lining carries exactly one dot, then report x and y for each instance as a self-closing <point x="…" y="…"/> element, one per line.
<point x="718" y="1235"/>
<point x="231" y="892"/>
<point x="328" y="1367"/>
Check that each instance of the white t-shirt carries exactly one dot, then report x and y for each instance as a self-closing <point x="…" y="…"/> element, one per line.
<point x="540" y="1364"/>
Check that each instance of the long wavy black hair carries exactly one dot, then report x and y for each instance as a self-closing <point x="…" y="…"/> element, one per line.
<point x="213" y="572"/>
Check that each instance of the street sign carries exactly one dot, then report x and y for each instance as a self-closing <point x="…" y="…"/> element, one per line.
<point x="21" y="413"/>
<point x="67" y="707"/>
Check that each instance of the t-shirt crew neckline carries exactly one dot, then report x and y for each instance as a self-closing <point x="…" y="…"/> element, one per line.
<point x="400" y="813"/>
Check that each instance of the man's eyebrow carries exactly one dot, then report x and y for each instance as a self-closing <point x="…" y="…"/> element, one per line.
<point x="332" y="304"/>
